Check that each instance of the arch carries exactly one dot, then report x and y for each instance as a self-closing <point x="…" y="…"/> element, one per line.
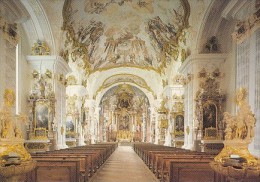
<point x="122" y="78"/>
<point x="151" y="78"/>
<point x="104" y="91"/>
<point x="38" y="26"/>
<point x="218" y="20"/>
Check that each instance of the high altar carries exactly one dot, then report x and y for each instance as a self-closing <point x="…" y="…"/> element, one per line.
<point x="126" y="120"/>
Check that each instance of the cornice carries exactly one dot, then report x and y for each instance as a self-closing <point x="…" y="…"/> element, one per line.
<point x="202" y="58"/>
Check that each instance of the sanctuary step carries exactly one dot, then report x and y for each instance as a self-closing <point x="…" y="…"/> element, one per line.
<point x="124" y="165"/>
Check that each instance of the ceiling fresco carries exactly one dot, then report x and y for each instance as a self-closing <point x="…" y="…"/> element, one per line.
<point x="106" y="34"/>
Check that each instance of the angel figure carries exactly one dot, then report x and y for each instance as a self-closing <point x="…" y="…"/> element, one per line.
<point x="241" y="129"/>
<point x="250" y="122"/>
<point x="230" y="121"/>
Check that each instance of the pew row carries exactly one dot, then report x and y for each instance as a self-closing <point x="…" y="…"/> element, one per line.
<point x="71" y="164"/>
<point x="178" y="165"/>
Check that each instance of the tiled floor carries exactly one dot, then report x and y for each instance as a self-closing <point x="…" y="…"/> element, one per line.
<point x="124" y="165"/>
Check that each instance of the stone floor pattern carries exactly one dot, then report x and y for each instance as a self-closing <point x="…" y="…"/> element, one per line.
<point x="124" y="165"/>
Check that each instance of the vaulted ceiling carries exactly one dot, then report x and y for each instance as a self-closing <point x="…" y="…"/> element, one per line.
<point x="139" y="42"/>
<point x="125" y="33"/>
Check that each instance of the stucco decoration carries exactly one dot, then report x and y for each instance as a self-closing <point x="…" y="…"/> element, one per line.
<point x="124" y="78"/>
<point x="135" y="33"/>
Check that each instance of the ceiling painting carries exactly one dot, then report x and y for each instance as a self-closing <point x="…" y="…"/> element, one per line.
<point x="106" y="34"/>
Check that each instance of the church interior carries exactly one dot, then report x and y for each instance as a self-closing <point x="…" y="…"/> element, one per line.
<point x="130" y="90"/>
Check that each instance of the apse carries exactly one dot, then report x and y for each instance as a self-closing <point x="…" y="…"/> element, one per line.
<point x="124" y="114"/>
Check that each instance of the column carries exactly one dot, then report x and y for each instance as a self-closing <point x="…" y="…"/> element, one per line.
<point x="144" y="127"/>
<point x="90" y="103"/>
<point x="77" y="93"/>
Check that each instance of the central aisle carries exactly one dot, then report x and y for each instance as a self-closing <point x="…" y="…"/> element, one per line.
<point x="124" y="165"/>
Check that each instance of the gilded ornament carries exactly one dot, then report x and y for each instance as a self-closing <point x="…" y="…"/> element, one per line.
<point x="35" y="74"/>
<point x="11" y="136"/>
<point x="40" y="48"/>
<point x="9" y="98"/>
<point x="239" y="133"/>
<point x="247" y="27"/>
<point x="62" y="130"/>
<point x="48" y="73"/>
<point x="162" y="109"/>
<point x="164" y="124"/>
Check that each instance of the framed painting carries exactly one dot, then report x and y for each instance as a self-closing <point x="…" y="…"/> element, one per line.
<point x="70" y="124"/>
<point x="42" y="115"/>
<point x="179" y="122"/>
<point x="209" y="115"/>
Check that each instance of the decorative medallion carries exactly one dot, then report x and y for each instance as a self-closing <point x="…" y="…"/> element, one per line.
<point x="40" y="48"/>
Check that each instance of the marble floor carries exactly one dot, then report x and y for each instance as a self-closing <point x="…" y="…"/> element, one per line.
<point x="124" y="165"/>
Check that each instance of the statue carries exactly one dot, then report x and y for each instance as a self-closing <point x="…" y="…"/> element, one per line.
<point x="4" y="132"/>
<point x="239" y="133"/>
<point x="11" y="138"/>
<point x="229" y="120"/>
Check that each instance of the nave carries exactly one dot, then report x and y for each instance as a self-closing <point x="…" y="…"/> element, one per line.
<point x="124" y="165"/>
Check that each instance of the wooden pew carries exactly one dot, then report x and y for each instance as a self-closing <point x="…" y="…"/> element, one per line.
<point x="161" y="161"/>
<point x="85" y="168"/>
<point x="74" y="164"/>
<point x="163" y="168"/>
<point x="56" y="171"/>
<point x="193" y="170"/>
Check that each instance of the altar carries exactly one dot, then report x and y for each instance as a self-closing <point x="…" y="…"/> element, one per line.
<point x="124" y="136"/>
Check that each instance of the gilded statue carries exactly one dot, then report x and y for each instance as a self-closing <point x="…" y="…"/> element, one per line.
<point x="241" y="126"/>
<point x="9" y="98"/>
<point x="239" y="132"/>
<point x="11" y="138"/>
<point x="18" y="132"/>
<point x="4" y="132"/>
